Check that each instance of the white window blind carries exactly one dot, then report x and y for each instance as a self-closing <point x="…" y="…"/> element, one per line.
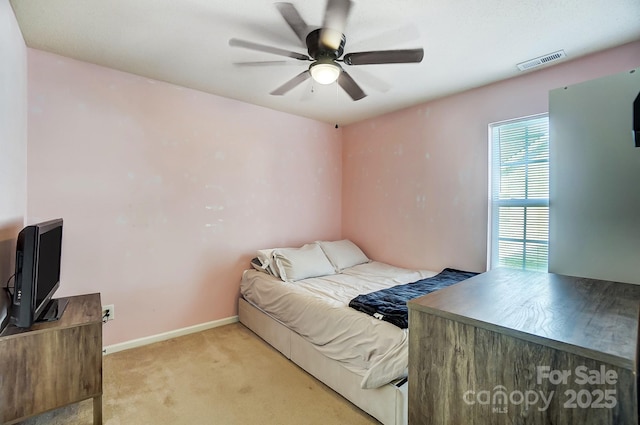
<point x="519" y="210"/>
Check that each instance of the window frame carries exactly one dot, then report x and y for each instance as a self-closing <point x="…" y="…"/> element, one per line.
<point x="493" y="218"/>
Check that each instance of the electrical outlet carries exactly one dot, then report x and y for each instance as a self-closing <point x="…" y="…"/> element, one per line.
<point x="108" y="312"/>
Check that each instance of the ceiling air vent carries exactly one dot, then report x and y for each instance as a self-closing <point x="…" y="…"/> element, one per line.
<point x="542" y="60"/>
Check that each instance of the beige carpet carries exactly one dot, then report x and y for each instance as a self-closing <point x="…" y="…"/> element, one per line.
<point x="225" y="375"/>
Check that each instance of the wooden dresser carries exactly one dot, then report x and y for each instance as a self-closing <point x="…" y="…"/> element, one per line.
<point x="53" y="364"/>
<point x="515" y="347"/>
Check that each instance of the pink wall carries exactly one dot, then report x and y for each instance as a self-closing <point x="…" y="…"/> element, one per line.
<point x="13" y="139"/>
<point x="167" y="192"/>
<point x="414" y="189"/>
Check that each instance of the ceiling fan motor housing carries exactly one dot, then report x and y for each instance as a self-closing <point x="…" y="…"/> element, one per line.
<point x="318" y="49"/>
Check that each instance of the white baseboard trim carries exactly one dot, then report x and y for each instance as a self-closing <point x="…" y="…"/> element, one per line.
<point x="109" y="349"/>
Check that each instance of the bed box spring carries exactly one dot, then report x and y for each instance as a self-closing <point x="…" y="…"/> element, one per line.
<point x="388" y="403"/>
<point x="266" y="327"/>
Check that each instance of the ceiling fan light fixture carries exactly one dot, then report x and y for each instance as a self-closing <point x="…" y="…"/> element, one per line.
<point x="325" y="72"/>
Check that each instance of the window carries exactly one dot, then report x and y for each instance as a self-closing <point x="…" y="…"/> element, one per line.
<point x="519" y="187"/>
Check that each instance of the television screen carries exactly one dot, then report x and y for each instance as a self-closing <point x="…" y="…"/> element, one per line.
<point x="49" y="255"/>
<point x="38" y="258"/>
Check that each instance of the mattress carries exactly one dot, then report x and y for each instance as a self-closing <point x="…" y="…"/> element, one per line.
<point x="317" y="309"/>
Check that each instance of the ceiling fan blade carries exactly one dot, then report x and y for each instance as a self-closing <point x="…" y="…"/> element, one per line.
<point x="265" y="63"/>
<point x="234" y="42"/>
<point x="370" y="80"/>
<point x="335" y="22"/>
<point x="393" y="37"/>
<point x="295" y="81"/>
<point x="384" y="56"/>
<point x="350" y="86"/>
<point x="295" y="21"/>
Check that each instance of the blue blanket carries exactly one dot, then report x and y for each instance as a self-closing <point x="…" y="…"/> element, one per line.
<point x="390" y="304"/>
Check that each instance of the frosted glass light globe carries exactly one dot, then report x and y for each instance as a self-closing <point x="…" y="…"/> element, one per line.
<point x="325" y="73"/>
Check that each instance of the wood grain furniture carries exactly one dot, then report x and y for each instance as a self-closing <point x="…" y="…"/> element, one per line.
<point x="53" y="364"/>
<point x="515" y="347"/>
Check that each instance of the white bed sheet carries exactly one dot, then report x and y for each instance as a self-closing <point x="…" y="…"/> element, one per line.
<point x="318" y="310"/>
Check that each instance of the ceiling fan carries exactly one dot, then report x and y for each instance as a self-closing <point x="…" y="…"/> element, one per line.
<point x="325" y="46"/>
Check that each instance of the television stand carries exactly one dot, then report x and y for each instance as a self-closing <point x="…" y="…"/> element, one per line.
<point x="53" y="364"/>
<point x="53" y="311"/>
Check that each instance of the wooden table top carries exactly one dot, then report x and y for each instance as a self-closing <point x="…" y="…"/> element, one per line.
<point x="82" y="309"/>
<point x="588" y="317"/>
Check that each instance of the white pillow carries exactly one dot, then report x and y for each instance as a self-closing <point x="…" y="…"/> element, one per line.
<point x="257" y="265"/>
<point x="265" y="256"/>
<point x="300" y="263"/>
<point x="343" y="254"/>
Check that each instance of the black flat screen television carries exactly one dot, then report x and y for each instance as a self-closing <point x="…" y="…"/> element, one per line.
<point x="38" y="258"/>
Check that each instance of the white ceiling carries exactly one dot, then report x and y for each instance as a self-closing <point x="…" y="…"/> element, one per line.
<point x="467" y="43"/>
